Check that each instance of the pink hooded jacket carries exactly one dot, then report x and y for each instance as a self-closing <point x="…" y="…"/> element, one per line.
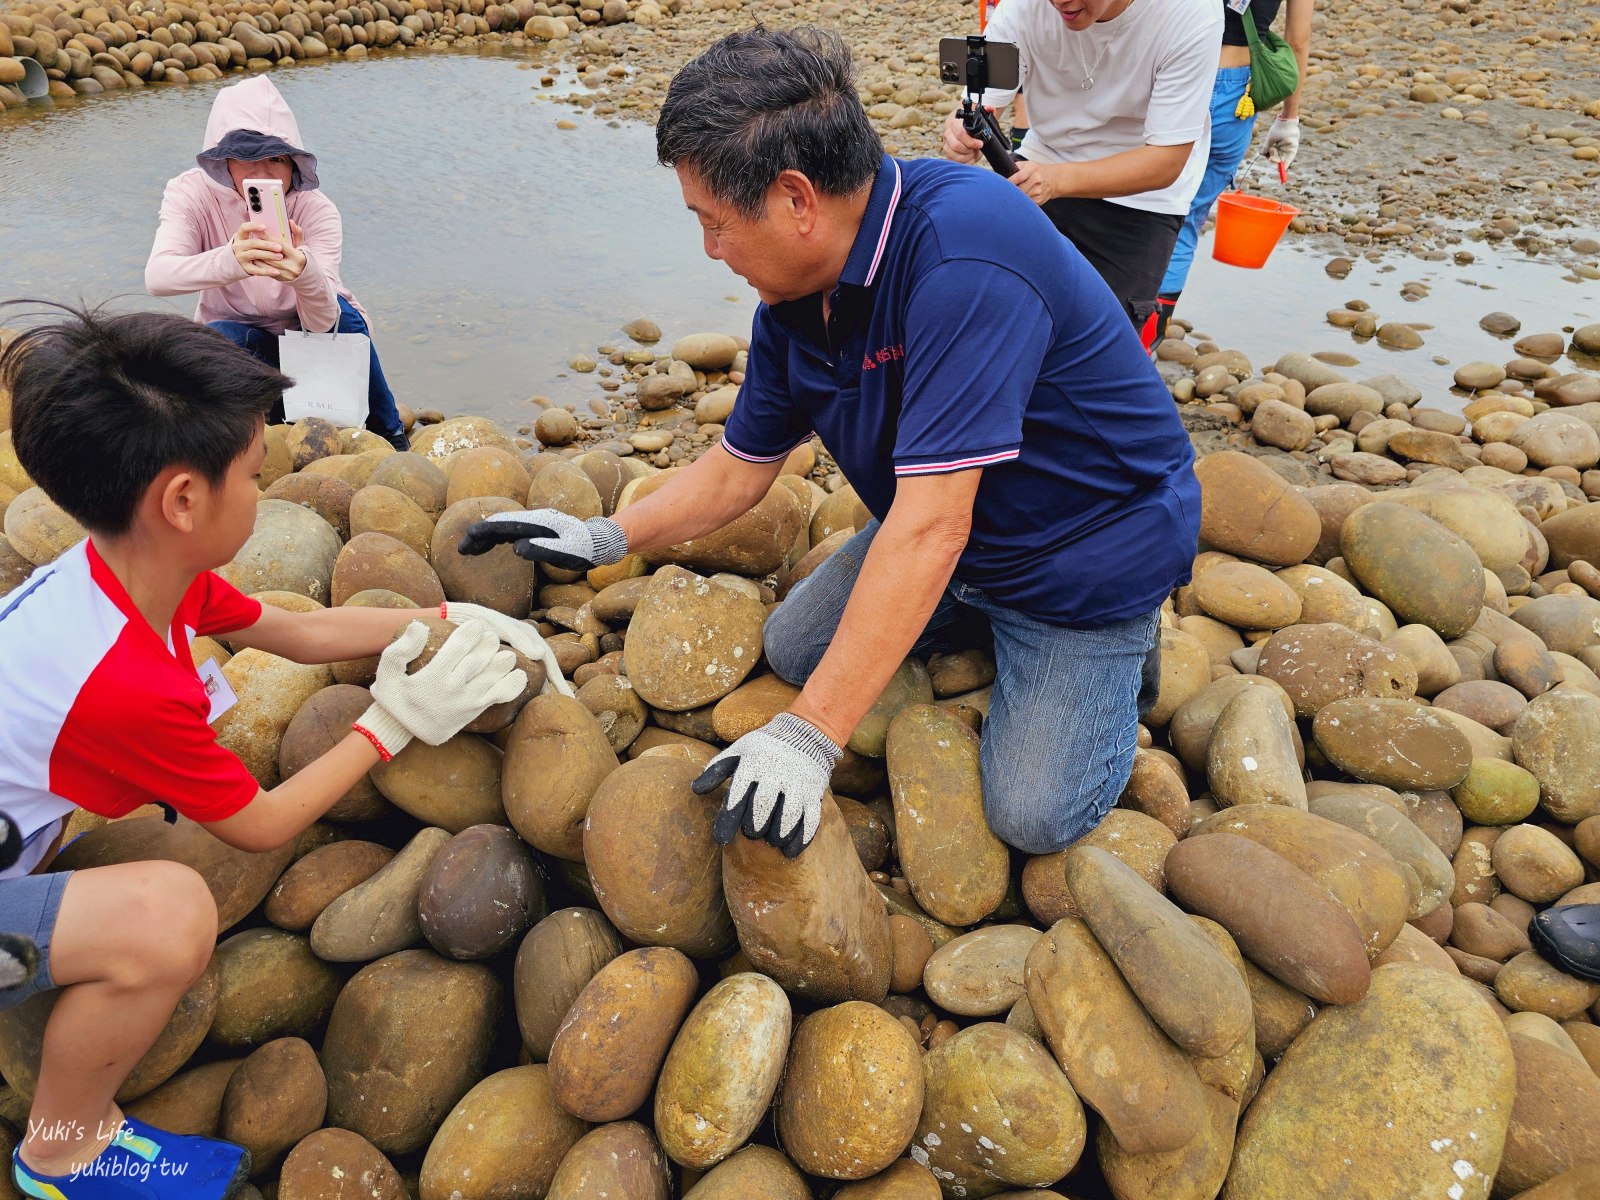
<point x="200" y="215"/>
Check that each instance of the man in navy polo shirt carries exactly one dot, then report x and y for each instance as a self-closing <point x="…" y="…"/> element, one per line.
<point x="982" y="389"/>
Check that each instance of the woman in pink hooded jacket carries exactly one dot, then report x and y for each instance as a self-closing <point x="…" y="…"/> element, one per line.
<point x="252" y="289"/>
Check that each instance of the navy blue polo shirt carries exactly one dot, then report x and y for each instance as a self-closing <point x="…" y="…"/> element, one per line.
<point x="966" y="332"/>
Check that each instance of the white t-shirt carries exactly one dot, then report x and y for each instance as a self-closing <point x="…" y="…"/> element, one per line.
<point x="1157" y="62"/>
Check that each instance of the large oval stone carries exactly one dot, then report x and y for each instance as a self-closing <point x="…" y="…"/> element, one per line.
<point x="479" y="894"/>
<point x="454" y="785"/>
<point x="979" y="974"/>
<point x="555" y="962"/>
<point x="335" y="1163"/>
<point x="1247" y="509"/>
<point x="754" y="543"/>
<point x="271" y="690"/>
<point x="38" y="529"/>
<point x="379" y="916"/>
<point x="1252" y="758"/>
<point x="506" y="1137"/>
<point x="270" y="985"/>
<point x="319" y="725"/>
<point x="292" y="549"/>
<point x="692" y="640"/>
<point x="910" y="684"/>
<point x="1425" y="573"/>
<point x="377" y="561"/>
<point x="499" y="579"/>
<point x="1556" y="739"/>
<point x="1555" y="1119"/>
<point x="1399" y="835"/>
<point x="276" y="1097"/>
<point x="557" y="756"/>
<point x="1485" y="520"/>
<point x="1318" y="664"/>
<point x="621" y="1159"/>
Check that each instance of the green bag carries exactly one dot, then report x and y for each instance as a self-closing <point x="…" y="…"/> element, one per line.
<point x="1274" y="73"/>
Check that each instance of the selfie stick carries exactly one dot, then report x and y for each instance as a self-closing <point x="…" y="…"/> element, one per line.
<point x="977" y="120"/>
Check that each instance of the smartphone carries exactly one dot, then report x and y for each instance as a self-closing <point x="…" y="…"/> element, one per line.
<point x="264" y="200"/>
<point x="995" y="64"/>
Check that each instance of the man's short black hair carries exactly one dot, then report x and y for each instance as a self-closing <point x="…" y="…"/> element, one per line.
<point x="763" y="101"/>
<point x="102" y="403"/>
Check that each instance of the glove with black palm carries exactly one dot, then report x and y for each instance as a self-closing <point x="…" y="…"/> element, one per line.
<point x="549" y="535"/>
<point x="780" y="773"/>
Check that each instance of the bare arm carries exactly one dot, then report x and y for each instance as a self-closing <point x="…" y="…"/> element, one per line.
<point x="1142" y="169"/>
<point x="327" y="635"/>
<point x="904" y="575"/>
<point x="278" y="816"/>
<point x="702" y="498"/>
<point x="1297" y="33"/>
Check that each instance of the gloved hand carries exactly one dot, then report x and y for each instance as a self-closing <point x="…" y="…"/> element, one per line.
<point x="517" y="634"/>
<point x="468" y="674"/>
<point x="779" y="774"/>
<point x="1283" y="140"/>
<point x="549" y="535"/>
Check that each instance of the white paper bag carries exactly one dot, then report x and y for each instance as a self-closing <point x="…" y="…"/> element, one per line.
<point x="330" y="376"/>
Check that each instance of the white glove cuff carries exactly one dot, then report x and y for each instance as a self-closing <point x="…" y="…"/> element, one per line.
<point x="384" y="730"/>
<point x="805" y="737"/>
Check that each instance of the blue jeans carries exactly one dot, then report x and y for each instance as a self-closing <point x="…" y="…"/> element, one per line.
<point x="383" y="418"/>
<point x="1063" y="717"/>
<point x="1230" y="138"/>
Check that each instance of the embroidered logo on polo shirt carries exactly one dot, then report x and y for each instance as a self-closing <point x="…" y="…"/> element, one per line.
<point x="871" y="362"/>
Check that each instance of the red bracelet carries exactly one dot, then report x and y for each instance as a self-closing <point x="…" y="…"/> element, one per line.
<point x="376" y="744"/>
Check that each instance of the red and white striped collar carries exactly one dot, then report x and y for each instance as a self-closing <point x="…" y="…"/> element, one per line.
<point x="872" y="239"/>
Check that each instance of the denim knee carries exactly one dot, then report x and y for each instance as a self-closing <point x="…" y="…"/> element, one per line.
<point x="1040" y="815"/>
<point x="790" y="644"/>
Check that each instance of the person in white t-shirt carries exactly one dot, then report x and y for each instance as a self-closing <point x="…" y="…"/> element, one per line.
<point x="1119" y="127"/>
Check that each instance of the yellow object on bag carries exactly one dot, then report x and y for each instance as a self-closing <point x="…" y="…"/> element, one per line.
<point x="1246" y="107"/>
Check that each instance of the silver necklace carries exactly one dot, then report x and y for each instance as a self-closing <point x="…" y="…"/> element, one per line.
<point x="1088" y="71"/>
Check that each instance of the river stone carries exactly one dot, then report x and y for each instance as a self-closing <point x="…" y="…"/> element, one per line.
<point x="379" y="916"/>
<point x="14" y="569"/>
<point x="453" y="785"/>
<point x="655" y="868"/>
<point x="1185" y="665"/>
<point x="1419" y="1037"/>
<point x="506" y="1137"/>
<point x="1485" y="932"/>
<point x="754" y="1171"/>
<point x="1309" y="372"/>
<point x="1557" y="439"/>
<point x="1530" y="984"/>
<point x="1318" y="664"/>
<point x="322" y="876"/>
<point x="903" y="1180"/>
<point x="383" y="1081"/>
<point x="754" y="543"/>
<point x="1184" y="983"/>
<point x="1194" y="1171"/>
<point x="998" y="1113"/>
<point x="1359" y="873"/>
<point x="1566" y="624"/>
<point x="362" y="672"/>
<point x="292" y="549"/>
<point x="814" y="923"/>
<point x="376" y="560"/>
<point x="1249" y="510"/>
<point x="485" y="471"/>
<point x="620" y="1159"/>
<point x="610" y="1047"/>
<point x="1140" y="841"/>
<point x="1191" y="726"/>
<point x="1117" y="1058"/>
<point x="480" y="893"/>
<point x="1436" y="668"/>
<point x="1396" y="833"/>
<point x="1535" y="864"/>
<point x="751" y="705"/>
<point x="1325" y="597"/>
<point x="270" y="692"/>
<point x="379" y="509"/>
<point x="909" y="685"/>
<point x="1343" y="400"/>
<point x="1490" y="703"/>
<point x="22" y="1030"/>
<point x="499" y="579"/>
<point x="1555" y="1120"/>
<point x="324" y="495"/>
<point x="277" y="1097"/>
<point x="1422" y="571"/>
<point x="1251" y="757"/>
<point x="1155" y="788"/>
<point x="1392" y="742"/>
<point x="979" y="974"/>
<point x="1554" y="739"/>
<point x="1333" y="502"/>
<point x="414" y="476"/>
<point x="1283" y="920"/>
<point x="38" y="529"/>
<point x="1496" y="793"/>
<point x="956" y="867"/>
<point x="335" y="1164"/>
<point x="1485" y="520"/>
<point x="1275" y="423"/>
<point x="438" y="442"/>
<point x="319" y="725"/>
<point x="270" y="985"/>
<point x="556" y="758"/>
<point x="852" y="1092"/>
<point x="692" y="641"/>
<point x="720" y="1075"/>
<point x="840" y="511"/>
<point x="567" y="488"/>
<point x="1574" y="536"/>
<point x="237" y="879"/>
<point x="555" y="962"/>
<point x="1247" y="596"/>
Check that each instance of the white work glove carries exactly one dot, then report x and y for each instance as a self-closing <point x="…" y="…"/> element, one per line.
<point x="550" y="535"/>
<point x="1283" y="140"/>
<point x="780" y="772"/>
<point x="519" y="635"/>
<point x="468" y="674"/>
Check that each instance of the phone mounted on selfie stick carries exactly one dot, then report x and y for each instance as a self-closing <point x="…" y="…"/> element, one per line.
<point x="979" y="64"/>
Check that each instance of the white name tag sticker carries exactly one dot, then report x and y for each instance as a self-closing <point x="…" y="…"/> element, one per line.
<point x="1238" y="6"/>
<point x="218" y="690"/>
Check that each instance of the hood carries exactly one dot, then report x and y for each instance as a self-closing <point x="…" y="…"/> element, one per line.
<point x="251" y="120"/>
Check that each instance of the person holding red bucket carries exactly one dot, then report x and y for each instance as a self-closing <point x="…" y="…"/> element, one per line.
<point x="1233" y="120"/>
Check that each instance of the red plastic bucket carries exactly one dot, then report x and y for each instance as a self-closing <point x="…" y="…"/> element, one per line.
<point x="1248" y="227"/>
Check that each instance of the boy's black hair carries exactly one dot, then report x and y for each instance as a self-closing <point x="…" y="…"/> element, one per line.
<point x="102" y="403"/>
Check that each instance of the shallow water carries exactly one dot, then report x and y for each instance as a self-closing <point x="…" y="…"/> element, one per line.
<point x="490" y="246"/>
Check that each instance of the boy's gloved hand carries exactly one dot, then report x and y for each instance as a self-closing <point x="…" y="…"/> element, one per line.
<point x="468" y="674"/>
<point x="1283" y="140"/>
<point x="517" y="634"/>
<point x="551" y="536"/>
<point x="780" y="772"/>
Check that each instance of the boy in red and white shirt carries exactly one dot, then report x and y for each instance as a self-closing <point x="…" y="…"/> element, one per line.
<point x="147" y="429"/>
